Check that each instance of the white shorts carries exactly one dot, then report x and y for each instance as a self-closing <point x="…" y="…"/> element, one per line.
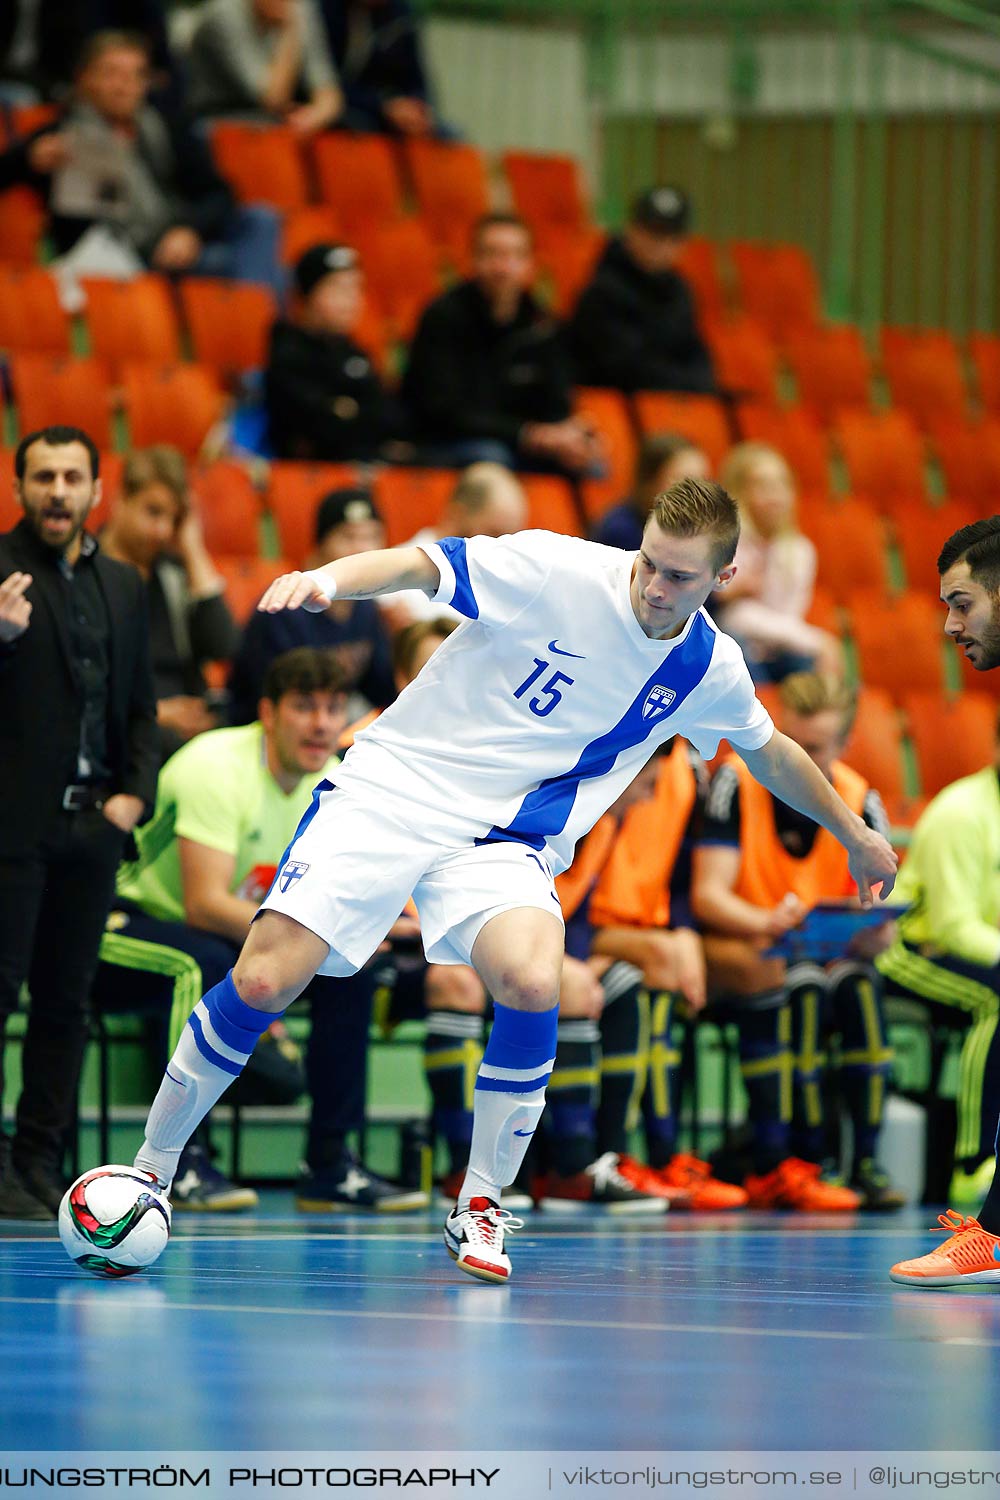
<point x="352" y="867"/>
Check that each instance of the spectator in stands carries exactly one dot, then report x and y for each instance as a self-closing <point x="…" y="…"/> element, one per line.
<point x="759" y="868"/>
<point x="487" y="501"/>
<point x="156" y="527"/>
<point x="346" y="522"/>
<point x="634" y="326"/>
<point x="228" y="804"/>
<point x="947" y="953"/>
<point x="127" y="187"/>
<point x="662" y="460"/>
<point x="487" y="376"/>
<point x="40" y="41"/>
<point x="79" y="749"/>
<point x="325" y="399"/>
<point x="264" y="58"/>
<point x="766" y="604"/>
<point x="376" y="48"/>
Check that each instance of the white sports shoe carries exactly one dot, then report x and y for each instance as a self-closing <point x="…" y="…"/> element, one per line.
<point x="473" y="1237"/>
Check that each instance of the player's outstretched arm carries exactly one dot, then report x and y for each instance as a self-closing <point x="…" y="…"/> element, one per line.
<point x="362" y="576"/>
<point x="786" y="770"/>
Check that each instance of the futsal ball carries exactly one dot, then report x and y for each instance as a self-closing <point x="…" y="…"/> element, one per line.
<point x="114" y="1221"/>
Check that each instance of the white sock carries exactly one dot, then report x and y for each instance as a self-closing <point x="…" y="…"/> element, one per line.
<point x="214" y="1048"/>
<point x="502" y="1127"/>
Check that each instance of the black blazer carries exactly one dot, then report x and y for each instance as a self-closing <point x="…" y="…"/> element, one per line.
<point x="40" y="696"/>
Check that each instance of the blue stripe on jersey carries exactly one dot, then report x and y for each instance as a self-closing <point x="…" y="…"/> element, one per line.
<point x="464" y="599"/>
<point x="304" y="821"/>
<point x="545" y="811"/>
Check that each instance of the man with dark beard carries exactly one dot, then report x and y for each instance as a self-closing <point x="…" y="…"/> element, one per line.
<point x="947" y="949"/>
<point x="79" y="749"/>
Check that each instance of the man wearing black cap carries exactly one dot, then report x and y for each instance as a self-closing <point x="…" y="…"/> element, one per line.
<point x="324" y="397"/>
<point x="346" y="522"/>
<point x="634" y="326"/>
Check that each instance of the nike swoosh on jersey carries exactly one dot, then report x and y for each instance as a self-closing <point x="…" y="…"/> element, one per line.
<point x="524" y="1132"/>
<point x="558" y="651"/>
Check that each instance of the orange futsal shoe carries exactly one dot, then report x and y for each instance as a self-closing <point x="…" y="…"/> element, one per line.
<point x="970" y="1257"/>
<point x="797" y="1185"/>
<point x="651" y="1182"/>
<point x="703" y="1192"/>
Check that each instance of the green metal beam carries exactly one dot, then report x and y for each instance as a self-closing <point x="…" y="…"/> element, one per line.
<point x="957" y="10"/>
<point x="972" y="67"/>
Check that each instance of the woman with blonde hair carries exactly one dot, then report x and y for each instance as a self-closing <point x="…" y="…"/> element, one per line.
<point x="766" y="604"/>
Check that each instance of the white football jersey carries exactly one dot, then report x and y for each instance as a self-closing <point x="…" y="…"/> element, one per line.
<point x="538" y="711"/>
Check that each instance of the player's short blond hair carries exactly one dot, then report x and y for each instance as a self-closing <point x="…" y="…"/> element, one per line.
<point x="700" y="507"/>
<point x="807" y="693"/>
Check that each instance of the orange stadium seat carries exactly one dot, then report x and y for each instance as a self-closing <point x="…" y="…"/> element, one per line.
<point x="112" y="465"/>
<point x="798" y="436"/>
<point x="952" y="737"/>
<point x="778" y="286"/>
<point x="824" y="611"/>
<point x="608" y="413"/>
<point x="25" y="119"/>
<point x="567" y="263"/>
<point x="316" y="224"/>
<point x="698" y="263"/>
<point x="552" y="504"/>
<point x="884" y="456"/>
<point x="920" y="537"/>
<point x="132" y="320"/>
<point x="403" y="269"/>
<point x="925" y="374"/>
<point x="851" y="543"/>
<point x="359" y="178"/>
<point x="229" y="322"/>
<point x="246" y="578"/>
<point x="261" y="163"/>
<point x="702" y="419"/>
<point x="22" y="224"/>
<point x="547" y="192"/>
<point x="30" y="315"/>
<point x="831" y="368"/>
<point x="875" y="748"/>
<point x="410" y="499"/>
<point x="969" y="456"/>
<point x="294" y="491"/>
<point x="52" y="389"/>
<point x="178" y="404"/>
<point x="229" y="509"/>
<point x="450" y="185"/>
<point x="899" y="645"/>
<point x="984" y="351"/>
<point x="745" y="359"/>
<point x="10" y="510"/>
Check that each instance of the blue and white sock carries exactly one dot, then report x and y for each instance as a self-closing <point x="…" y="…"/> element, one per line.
<point x="214" y="1048"/>
<point x="510" y="1097"/>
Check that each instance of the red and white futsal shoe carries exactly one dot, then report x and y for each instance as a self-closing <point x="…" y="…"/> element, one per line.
<point x="970" y="1257"/>
<point x="473" y="1237"/>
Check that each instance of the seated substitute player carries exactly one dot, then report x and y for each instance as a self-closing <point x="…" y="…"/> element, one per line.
<point x="618" y="903"/>
<point x="575" y="661"/>
<point x="227" y="805"/>
<point x="760" y="867"/>
<point x="640" y="909"/>
<point x="954" y="882"/>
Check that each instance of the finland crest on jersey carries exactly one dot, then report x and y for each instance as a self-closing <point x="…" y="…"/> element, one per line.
<point x="658" y="701"/>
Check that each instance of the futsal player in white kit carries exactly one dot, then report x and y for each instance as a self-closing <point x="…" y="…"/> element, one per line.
<point x="574" y="662"/>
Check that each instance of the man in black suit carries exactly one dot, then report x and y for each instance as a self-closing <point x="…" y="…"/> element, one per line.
<point x="79" y="750"/>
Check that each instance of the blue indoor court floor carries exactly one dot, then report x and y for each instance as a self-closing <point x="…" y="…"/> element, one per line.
<point x="283" y="1332"/>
